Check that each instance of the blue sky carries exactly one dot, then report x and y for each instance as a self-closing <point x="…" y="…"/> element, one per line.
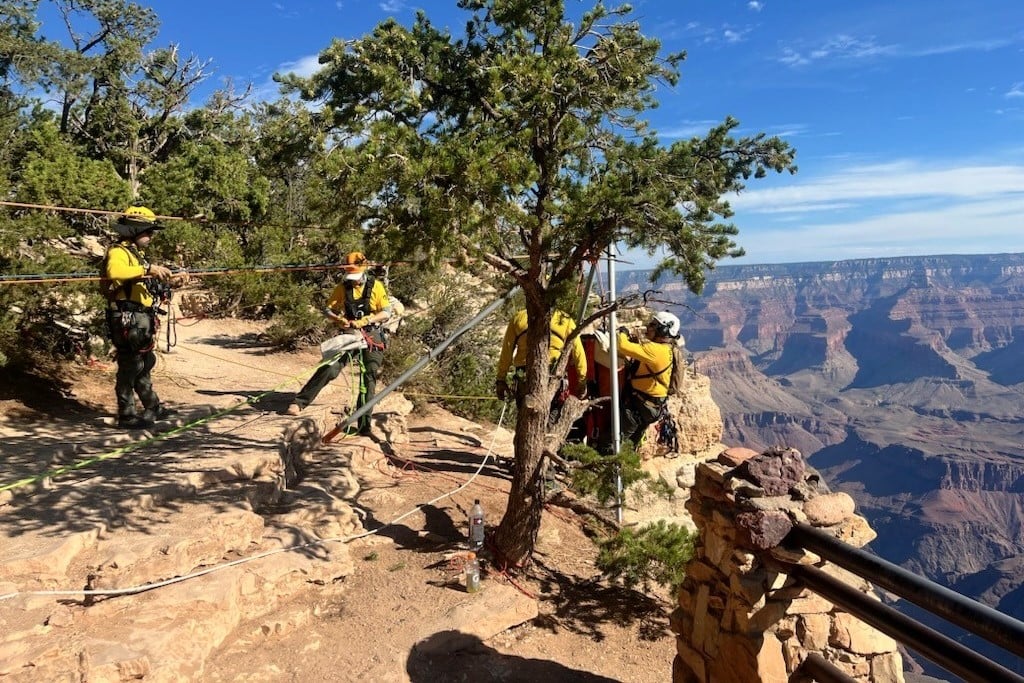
<point x="907" y="117"/>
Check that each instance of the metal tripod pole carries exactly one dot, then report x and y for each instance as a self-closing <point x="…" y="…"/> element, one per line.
<point x="613" y="351"/>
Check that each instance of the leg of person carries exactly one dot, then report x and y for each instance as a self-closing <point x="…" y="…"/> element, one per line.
<point x="144" y="389"/>
<point x="373" y="358"/>
<point x="129" y="366"/>
<point x="631" y="419"/>
<point x="324" y="375"/>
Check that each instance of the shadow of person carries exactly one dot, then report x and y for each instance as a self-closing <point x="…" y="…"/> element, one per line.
<point x="449" y="656"/>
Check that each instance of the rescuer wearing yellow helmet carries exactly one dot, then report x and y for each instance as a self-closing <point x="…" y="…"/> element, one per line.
<point x="127" y="281"/>
<point x="358" y="303"/>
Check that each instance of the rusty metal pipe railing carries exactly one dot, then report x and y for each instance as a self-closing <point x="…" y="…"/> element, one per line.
<point x="990" y="624"/>
<point x="944" y="651"/>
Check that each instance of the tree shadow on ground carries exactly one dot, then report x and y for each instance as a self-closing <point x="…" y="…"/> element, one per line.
<point x="582" y="605"/>
<point x="46" y="395"/>
<point x="442" y="530"/>
<point x="450" y="656"/>
<point x="269" y="400"/>
<point x="248" y="340"/>
<point x="455" y="462"/>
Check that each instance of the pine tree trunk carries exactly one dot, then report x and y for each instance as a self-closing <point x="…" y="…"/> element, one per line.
<point x="517" y="532"/>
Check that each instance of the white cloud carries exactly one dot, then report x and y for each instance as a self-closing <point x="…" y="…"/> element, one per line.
<point x="1016" y="90"/>
<point x="896" y="180"/>
<point x="893" y="209"/>
<point x="973" y="227"/>
<point x="734" y="36"/>
<point x="847" y="47"/>
<point x="755" y="5"/>
<point x="392" y="6"/>
<point x="303" y="66"/>
<point x="687" y="129"/>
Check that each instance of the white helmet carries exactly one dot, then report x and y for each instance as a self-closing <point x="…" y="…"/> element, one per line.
<point x="667" y="324"/>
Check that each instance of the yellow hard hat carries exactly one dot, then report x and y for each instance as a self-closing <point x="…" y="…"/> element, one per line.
<point x="135" y="221"/>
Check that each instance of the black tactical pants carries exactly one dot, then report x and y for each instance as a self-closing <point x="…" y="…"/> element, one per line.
<point x="371" y="357"/>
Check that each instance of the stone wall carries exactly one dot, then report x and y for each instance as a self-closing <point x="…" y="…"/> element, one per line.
<point x="739" y="618"/>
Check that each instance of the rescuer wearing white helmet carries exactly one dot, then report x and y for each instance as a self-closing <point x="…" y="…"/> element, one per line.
<point x="648" y="372"/>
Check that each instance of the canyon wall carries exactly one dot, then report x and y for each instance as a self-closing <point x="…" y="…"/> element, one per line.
<point x="903" y="381"/>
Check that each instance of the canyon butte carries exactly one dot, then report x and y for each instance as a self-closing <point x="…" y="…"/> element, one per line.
<point x="903" y="381"/>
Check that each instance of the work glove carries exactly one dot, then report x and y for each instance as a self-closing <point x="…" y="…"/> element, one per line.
<point x="159" y="272"/>
<point x="359" y="324"/>
<point x="501" y="389"/>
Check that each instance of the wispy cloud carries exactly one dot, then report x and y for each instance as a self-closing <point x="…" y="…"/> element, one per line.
<point x="970" y="227"/>
<point x="755" y="5"/>
<point x="897" y="180"/>
<point x="1016" y="90"/>
<point x="392" y="6"/>
<point x="894" y="209"/>
<point x="852" y="48"/>
<point x="304" y="66"/>
<point x="687" y="129"/>
<point x="711" y="35"/>
<point x="840" y="47"/>
<point x="731" y="35"/>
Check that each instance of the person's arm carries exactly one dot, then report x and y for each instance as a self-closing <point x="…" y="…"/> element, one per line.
<point x="578" y="358"/>
<point x="508" y="345"/>
<point x="336" y="304"/>
<point x="120" y="266"/>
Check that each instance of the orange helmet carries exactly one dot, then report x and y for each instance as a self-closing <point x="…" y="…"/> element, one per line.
<point x="355" y="265"/>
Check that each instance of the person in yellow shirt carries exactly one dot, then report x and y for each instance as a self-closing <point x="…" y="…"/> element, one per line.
<point x="359" y="302"/>
<point x="649" y="371"/>
<point x="127" y="278"/>
<point x="513" y="355"/>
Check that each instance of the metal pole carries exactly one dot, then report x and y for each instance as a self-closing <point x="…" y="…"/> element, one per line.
<point x="582" y="310"/>
<point x="613" y="351"/>
<point x="418" y="365"/>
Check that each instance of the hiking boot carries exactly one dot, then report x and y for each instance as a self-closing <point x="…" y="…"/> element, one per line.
<point x="293" y="409"/>
<point x="161" y="412"/>
<point x="133" y="422"/>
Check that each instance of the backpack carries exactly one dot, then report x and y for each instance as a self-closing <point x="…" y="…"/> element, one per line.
<point x="678" y="378"/>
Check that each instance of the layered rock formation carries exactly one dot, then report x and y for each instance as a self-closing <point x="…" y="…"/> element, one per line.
<point x="902" y="379"/>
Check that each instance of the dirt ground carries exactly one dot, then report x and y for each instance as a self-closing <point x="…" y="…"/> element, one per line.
<point x="364" y="628"/>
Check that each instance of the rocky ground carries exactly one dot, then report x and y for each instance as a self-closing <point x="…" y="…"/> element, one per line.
<point x="250" y="539"/>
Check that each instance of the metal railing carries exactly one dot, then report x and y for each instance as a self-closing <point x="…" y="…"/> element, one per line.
<point x="980" y="620"/>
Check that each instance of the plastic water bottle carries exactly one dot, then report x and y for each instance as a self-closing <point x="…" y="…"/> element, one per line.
<point x="472" y="572"/>
<point x="476" y="525"/>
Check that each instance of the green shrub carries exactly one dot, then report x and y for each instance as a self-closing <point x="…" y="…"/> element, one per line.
<point x="654" y="554"/>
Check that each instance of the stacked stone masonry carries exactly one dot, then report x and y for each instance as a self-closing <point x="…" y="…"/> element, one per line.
<point x="739" y="618"/>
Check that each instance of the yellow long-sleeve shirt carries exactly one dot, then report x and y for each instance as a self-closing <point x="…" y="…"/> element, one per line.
<point x="655" y="371"/>
<point x="514" y="353"/>
<point x="124" y="266"/>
